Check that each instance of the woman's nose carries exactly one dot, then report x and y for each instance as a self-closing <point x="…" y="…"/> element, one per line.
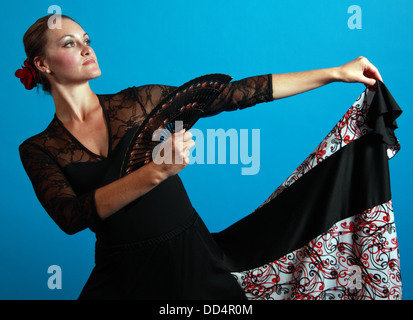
<point x="86" y="50"/>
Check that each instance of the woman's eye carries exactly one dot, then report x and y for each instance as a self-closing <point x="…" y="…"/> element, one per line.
<point x="69" y="44"/>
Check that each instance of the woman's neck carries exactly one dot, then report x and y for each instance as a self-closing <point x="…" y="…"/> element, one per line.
<point x="74" y="103"/>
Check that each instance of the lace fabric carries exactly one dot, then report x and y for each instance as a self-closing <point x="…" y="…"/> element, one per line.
<point x="49" y="157"/>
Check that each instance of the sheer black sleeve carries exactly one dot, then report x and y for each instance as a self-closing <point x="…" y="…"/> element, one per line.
<point x="70" y="212"/>
<point x="242" y="94"/>
<point x="237" y="95"/>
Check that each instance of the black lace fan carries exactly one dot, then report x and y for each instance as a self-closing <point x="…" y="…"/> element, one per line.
<point x="185" y="105"/>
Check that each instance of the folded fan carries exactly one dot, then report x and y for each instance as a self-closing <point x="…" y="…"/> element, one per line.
<point x="182" y="107"/>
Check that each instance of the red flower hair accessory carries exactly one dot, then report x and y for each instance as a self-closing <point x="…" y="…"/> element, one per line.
<point x="27" y="76"/>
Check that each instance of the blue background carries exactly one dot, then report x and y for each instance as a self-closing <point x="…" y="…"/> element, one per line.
<point x="170" y="42"/>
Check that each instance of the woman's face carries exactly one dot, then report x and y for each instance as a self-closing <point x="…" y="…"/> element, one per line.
<point x="69" y="56"/>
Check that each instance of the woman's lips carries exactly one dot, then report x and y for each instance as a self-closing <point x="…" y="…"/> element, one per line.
<point x="88" y="61"/>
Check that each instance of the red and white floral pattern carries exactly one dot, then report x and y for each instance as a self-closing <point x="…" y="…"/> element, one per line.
<point x="357" y="258"/>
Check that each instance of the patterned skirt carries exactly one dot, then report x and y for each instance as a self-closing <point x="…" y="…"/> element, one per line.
<point x="330" y="225"/>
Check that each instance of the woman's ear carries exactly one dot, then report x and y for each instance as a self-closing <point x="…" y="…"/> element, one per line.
<point x="41" y="65"/>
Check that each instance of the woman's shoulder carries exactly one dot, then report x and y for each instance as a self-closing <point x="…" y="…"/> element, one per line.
<point x="39" y="139"/>
<point x="140" y="90"/>
<point x="144" y="96"/>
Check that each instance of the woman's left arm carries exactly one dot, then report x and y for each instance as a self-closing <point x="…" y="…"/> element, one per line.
<point x="359" y="70"/>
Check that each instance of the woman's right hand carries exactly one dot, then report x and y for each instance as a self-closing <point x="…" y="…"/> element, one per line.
<point x="171" y="158"/>
<point x="172" y="155"/>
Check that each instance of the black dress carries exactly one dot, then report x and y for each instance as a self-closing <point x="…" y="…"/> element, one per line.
<point x="328" y="231"/>
<point x="156" y="247"/>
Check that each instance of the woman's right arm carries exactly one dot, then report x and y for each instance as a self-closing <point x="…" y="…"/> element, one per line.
<point x="72" y="212"/>
<point x="123" y="191"/>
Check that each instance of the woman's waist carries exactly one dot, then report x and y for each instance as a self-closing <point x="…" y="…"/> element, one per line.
<point x="164" y="208"/>
<point x="142" y="229"/>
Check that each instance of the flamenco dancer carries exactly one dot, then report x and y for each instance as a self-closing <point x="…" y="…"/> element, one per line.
<point x="150" y="241"/>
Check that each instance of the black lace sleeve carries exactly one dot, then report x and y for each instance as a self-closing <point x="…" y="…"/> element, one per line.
<point x="70" y="212"/>
<point x="242" y="94"/>
<point x="149" y="96"/>
<point x="237" y="95"/>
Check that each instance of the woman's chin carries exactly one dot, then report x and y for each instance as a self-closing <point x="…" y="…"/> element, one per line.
<point x="94" y="74"/>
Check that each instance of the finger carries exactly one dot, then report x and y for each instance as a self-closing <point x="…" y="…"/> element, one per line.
<point x="189" y="144"/>
<point x="371" y="71"/>
<point x="177" y="140"/>
<point x="179" y="133"/>
<point x="186" y="157"/>
<point x="182" y="157"/>
<point x="187" y="135"/>
<point x="369" y="82"/>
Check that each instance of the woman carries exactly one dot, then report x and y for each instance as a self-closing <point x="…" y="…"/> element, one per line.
<point x="150" y="241"/>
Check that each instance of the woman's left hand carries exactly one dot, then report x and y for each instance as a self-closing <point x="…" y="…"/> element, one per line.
<point x="359" y="70"/>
